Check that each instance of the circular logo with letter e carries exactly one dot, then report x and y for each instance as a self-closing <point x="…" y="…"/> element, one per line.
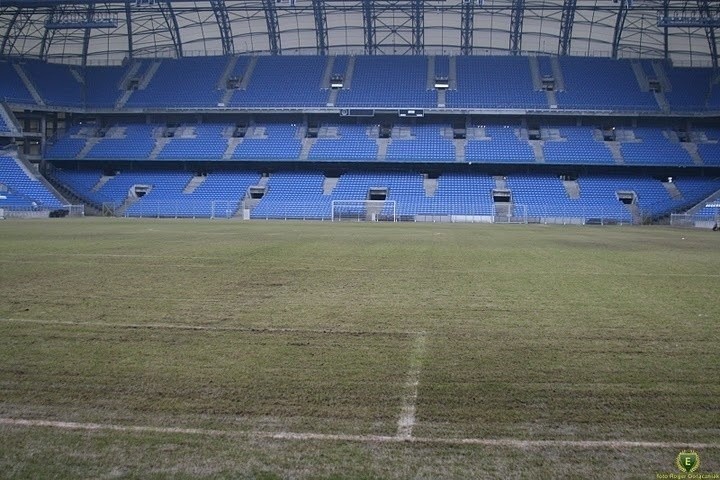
<point x="687" y="462"/>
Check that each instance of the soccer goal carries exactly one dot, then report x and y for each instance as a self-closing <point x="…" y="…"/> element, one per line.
<point x="364" y="210"/>
<point x="222" y="209"/>
<point x="75" y="210"/>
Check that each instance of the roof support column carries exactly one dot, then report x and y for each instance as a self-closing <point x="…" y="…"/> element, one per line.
<point x="223" y="21"/>
<point x="86" y="36"/>
<point x="619" y="24"/>
<point x="418" y="26"/>
<point x="466" y="27"/>
<point x="171" y="22"/>
<point x="273" y="26"/>
<point x="709" y="32"/>
<point x="321" y="32"/>
<point x="516" y="21"/>
<point x="8" y="32"/>
<point x="128" y="24"/>
<point x="566" y="26"/>
<point x="369" y="23"/>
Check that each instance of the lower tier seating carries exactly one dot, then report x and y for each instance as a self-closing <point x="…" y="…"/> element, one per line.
<point x="311" y="194"/>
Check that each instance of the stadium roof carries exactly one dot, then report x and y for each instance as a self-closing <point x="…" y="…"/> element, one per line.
<point x="105" y="32"/>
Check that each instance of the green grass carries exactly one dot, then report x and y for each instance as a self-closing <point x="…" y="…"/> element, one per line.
<point x="532" y="333"/>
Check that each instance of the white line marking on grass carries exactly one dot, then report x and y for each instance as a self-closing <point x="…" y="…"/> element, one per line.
<point x="331" y="437"/>
<point x="406" y="422"/>
<point x="219" y="328"/>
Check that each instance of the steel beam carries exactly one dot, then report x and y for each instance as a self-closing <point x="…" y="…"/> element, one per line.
<point x="467" y="17"/>
<point x="223" y="21"/>
<point x="566" y="26"/>
<point x="273" y="26"/>
<point x="128" y="21"/>
<point x="86" y="34"/>
<point x="516" y="21"/>
<point x="709" y="32"/>
<point x="619" y="24"/>
<point x="8" y="32"/>
<point x="321" y="30"/>
<point x="418" y="26"/>
<point x="172" y="24"/>
<point x="369" y="27"/>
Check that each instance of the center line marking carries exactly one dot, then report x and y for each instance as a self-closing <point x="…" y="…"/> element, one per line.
<point x="406" y="422"/>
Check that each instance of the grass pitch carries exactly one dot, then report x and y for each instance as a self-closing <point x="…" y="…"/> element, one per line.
<point x="385" y="343"/>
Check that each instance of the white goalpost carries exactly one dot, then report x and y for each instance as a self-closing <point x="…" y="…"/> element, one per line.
<point x="364" y="210"/>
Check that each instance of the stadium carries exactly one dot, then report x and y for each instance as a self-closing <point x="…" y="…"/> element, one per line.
<point x="359" y="239"/>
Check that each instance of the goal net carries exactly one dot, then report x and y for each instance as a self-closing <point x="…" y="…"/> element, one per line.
<point x="75" y="210"/>
<point x="364" y="210"/>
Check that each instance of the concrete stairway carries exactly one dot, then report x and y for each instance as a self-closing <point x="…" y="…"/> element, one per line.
<point x="557" y="74"/>
<point x="307" y="144"/>
<point x="692" y="150"/>
<point x="535" y="73"/>
<point x="194" y="183"/>
<point x="247" y="75"/>
<point x="9" y="118"/>
<point x="327" y="73"/>
<point x="430" y="185"/>
<point x="28" y="84"/>
<point x="233" y="142"/>
<point x="430" y="80"/>
<point x="347" y="82"/>
<point x="452" y="73"/>
<point x="616" y="152"/>
<point x="159" y="145"/>
<point x="329" y="185"/>
<point x="222" y="82"/>
<point x="89" y="144"/>
<point x="572" y="188"/>
<point x="705" y="201"/>
<point x="103" y="180"/>
<point x="537" y="146"/>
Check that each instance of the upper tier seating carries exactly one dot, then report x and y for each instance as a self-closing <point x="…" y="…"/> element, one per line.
<point x="389" y="81"/>
<point x="22" y="190"/>
<point x="602" y="84"/>
<point x="102" y="86"/>
<point x="494" y="82"/>
<point x="401" y="81"/>
<point x="190" y="82"/>
<point x="280" y="81"/>
<point x="12" y="88"/>
<point x="55" y="83"/>
<point x="688" y="88"/>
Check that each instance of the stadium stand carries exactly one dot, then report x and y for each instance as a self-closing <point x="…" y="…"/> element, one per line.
<point x="495" y="82"/>
<point x="389" y="81"/>
<point x="421" y="143"/>
<point x="203" y="141"/>
<point x="12" y="88"/>
<point x="337" y="142"/>
<point x="272" y="141"/>
<point x="278" y="81"/>
<point x="190" y="82"/>
<point x="498" y="144"/>
<point x="653" y="147"/>
<point x="57" y="84"/>
<point x="102" y="86"/>
<point x="602" y="84"/>
<point x="21" y="189"/>
<point x="689" y="88"/>
<point x="129" y="141"/>
<point x="294" y="195"/>
<point x="577" y="145"/>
